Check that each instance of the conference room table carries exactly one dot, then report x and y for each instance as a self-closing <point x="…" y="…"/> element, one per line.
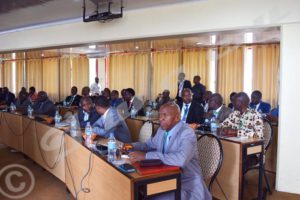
<point x="86" y="173"/>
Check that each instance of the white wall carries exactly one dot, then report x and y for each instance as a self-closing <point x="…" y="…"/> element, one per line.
<point x="210" y="15"/>
<point x="185" y="18"/>
<point x="288" y="169"/>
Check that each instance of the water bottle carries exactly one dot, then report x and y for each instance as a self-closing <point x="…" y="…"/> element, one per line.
<point x="213" y="125"/>
<point x="133" y="112"/>
<point x="57" y="118"/>
<point x="73" y="127"/>
<point x="112" y="148"/>
<point x="88" y="135"/>
<point x="12" y="107"/>
<point x="29" y="111"/>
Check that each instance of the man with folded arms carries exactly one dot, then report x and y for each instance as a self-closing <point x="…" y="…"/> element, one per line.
<point x="243" y="121"/>
<point x="175" y="144"/>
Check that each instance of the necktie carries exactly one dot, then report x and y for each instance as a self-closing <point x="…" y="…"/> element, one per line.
<point x="185" y="112"/>
<point x="165" y="142"/>
<point x="71" y="101"/>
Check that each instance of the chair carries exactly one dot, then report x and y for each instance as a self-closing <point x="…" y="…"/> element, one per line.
<point x="146" y="131"/>
<point x="268" y="135"/>
<point x="210" y="158"/>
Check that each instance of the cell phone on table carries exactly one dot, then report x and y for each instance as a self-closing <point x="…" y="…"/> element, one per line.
<point x="127" y="168"/>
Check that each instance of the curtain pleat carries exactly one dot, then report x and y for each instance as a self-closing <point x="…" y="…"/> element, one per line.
<point x="50" y="78"/>
<point x="266" y="71"/>
<point x="80" y="72"/>
<point x="34" y="73"/>
<point x="230" y="71"/>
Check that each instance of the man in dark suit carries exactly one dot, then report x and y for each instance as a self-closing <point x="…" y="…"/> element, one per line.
<point x="87" y="112"/>
<point x="7" y="97"/>
<point x="74" y="98"/>
<point x="217" y="109"/>
<point x="181" y="85"/>
<point x="191" y="111"/>
<point x="257" y="104"/>
<point x="115" y="100"/>
<point x="44" y="106"/>
<point x="198" y="89"/>
<point x="110" y="121"/>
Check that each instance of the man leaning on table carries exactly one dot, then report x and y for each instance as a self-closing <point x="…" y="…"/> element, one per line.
<point x="110" y="121"/>
<point x="243" y="121"/>
<point x="175" y="144"/>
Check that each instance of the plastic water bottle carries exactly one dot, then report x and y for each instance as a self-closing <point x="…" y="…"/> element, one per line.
<point x="73" y="127"/>
<point x="88" y="135"/>
<point x="213" y="125"/>
<point x="112" y="148"/>
<point x="29" y="111"/>
<point x="133" y="112"/>
<point x="57" y="118"/>
<point x="12" y="107"/>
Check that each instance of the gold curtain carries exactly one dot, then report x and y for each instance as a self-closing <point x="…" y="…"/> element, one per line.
<point x="34" y="74"/>
<point x="65" y="77"/>
<point x="1" y="73"/>
<point x="196" y="62"/>
<point x="121" y="71"/>
<point x="20" y="82"/>
<point x="80" y="72"/>
<point x="7" y="75"/>
<point x="50" y="78"/>
<point x="165" y="72"/>
<point x="230" y="71"/>
<point x="266" y="71"/>
<point x="142" y="75"/>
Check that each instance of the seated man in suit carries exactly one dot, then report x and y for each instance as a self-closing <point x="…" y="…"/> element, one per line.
<point x="257" y="104"/>
<point x="22" y="102"/>
<point x="32" y="95"/>
<point x="163" y="98"/>
<point x="217" y="109"/>
<point x="182" y="83"/>
<point x="191" y="111"/>
<point x="115" y="100"/>
<point x="130" y="101"/>
<point x="73" y="99"/>
<point x="43" y="105"/>
<point x="110" y="121"/>
<point x="7" y="96"/>
<point x="175" y="144"/>
<point x="87" y="112"/>
<point x="243" y="121"/>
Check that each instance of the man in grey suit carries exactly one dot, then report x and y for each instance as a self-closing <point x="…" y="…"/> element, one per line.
<point x="175" y="144"/>
<point x="110" y="121"/>
<point x="217" y="109"/>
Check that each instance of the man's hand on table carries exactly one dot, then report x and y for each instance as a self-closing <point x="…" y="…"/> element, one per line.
<point x="136" y="156"/>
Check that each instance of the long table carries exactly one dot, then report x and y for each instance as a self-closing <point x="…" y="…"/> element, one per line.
<point x="87" y="175"/>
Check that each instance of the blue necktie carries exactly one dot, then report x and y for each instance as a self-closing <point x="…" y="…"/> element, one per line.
<point x="165" y="142"/>
<point x="185" y="112"/>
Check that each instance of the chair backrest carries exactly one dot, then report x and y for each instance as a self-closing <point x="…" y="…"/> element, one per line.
<point x="268" y="134"/>
<point x="146" y="131"/>
<point x="210" y="157"/>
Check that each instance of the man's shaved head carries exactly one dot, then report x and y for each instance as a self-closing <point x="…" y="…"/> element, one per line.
<point x="169" y="115"/>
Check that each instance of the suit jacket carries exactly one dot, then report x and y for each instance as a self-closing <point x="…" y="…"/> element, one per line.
<point x="182" y="151"/>
<point x="264" y="107"/>
<point x="113" y="123"/>
<point x="44" y="108"/>
<point x="75" y="102"/>
<point x="124" y="110"/>
<point x="186" y="84"/>
<point x="198" y="92"/>
<point x="93" y="117"/>
<point x="195" y="114"/>
<point x="8" y="98"/>
<point x="116" y="102"/>
<point x="222" y="115"/>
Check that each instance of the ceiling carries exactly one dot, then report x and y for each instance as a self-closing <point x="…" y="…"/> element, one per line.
<point x="16" y="14"/>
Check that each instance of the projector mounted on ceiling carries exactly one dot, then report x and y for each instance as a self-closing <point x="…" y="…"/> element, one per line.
<point x="102" y="16"/>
